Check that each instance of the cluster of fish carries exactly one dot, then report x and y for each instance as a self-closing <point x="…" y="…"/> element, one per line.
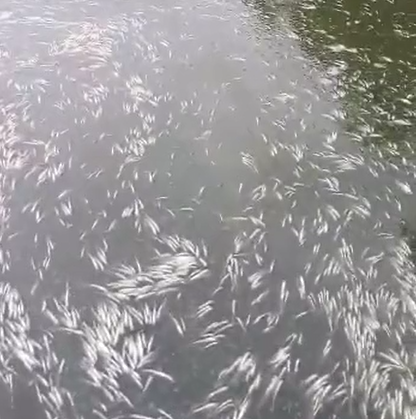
<point x="153" y="269"/>
<point x="184" y="338"/>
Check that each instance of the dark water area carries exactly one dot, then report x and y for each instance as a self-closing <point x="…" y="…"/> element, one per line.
<point x="207" y="209"/>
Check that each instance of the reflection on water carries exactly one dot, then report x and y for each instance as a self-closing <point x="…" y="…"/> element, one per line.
<point x="189" y="227"/>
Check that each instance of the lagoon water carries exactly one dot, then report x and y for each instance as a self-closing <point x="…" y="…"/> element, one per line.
<point x="249" y="167"/>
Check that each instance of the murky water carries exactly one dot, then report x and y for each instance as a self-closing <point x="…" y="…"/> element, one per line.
<point x="207" y="209"/>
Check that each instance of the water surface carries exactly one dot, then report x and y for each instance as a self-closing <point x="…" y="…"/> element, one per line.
<point x="253" y="161"/>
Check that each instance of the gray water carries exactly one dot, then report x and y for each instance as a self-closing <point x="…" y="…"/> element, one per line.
<point x="272" y="138"/>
